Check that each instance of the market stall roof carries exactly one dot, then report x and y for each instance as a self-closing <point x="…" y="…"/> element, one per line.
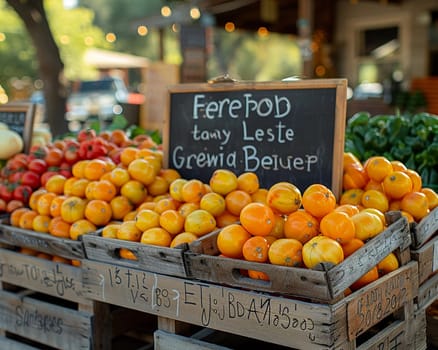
<point x="105" y="59"/>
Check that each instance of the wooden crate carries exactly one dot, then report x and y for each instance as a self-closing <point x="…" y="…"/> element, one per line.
<point x="425" y="229"/>
<point x="326" y="285"/>
<point x="268" y="317"/>
<point x="164" y="260"/>
<point x="42" y="242"/>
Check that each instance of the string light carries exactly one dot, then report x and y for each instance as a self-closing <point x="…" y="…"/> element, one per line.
<point x="262" y="32"/>
<point x="230" y="27"/>
<point x="142" y="30"/>
<point x="166" y="11"/>
<point x="195" y="13"/>
<point x="110" y="37"/>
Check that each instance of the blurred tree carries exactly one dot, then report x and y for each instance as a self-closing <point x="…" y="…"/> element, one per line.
<point x="51" y="51"/>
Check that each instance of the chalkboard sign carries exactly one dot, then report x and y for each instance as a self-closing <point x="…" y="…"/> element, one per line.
<point x="20" y="118"/>
<point x="282" y="131"/>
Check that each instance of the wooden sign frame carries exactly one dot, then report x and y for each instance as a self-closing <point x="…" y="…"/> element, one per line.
<point x="310" y="89"/>
<point x="19" y="109"/>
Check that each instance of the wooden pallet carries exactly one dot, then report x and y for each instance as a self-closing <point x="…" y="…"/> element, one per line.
<point x="269" y="317"/>
<point x="425" y="229"/>
<point x="164" y="260"/>
<point x="326" y="285"/>
<point x="42" y="242"/>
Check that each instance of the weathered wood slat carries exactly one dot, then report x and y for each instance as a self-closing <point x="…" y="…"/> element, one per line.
<point x="168" y="341"/>
<point x="151" y="258"/>
<point x="49" y="324"/>
<point x="56" y="279"/>
<point x="43" y="242"/>
<point x="10" y="344"/>
<point x="427" y="257"/>
<point x="428" y="292"/>
<point x="425" y="229"/>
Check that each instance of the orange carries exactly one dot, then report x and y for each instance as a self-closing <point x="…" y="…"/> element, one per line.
<point x="169" y="175"/>
<point x="199" y="222"/>
<point x="236" y="200"/>
<point x="81" y="227"/>
<point x="120" y="206"/>
<point x="226" y="218"/>
<point x="367" y="225"/>
<point x="417" y="182"/>
<point x="73" y="209"/>
<point x="94" y="169"/>
<point x="175" y="189"/>
<point x="186" y="208"/>
<point x="388" y="264"/>
<point x="44" y="202"/>
<point x="322" y="249"/>
<point x="110" y="231"/>
<point x="98" y="212"/>
<point x="56" y="183"/>
<point x="260" y="195"/>
<point x="172" y="221"/>
<point x="156" y="236"/>
<point x="76" y="187"/>
<point x="318" y="200"/>
<point x="146" y="205"/>
<point x="348" y="209"/>
<point x="371" y="276"/>
<point x="103" y="190"/>
<point x="89" y="190"/>
<point x="397" y="184"/>
<point x="257" y="218"/>
<point x="26" y="219"/>
<point x="338" y="226"/>
<point x="41" y="223"/>
<point x="127" y="254"/>
<point x="353" y="196"/>
<point x="146" y="219"/>
<point x="59" y="228"/>
<point x="183" y="237"/>
<point x="230" y="240"/>
<point x="248" y="182"/>
<point x="135" y="191"/>
<point x="164" y="204"/>
<point x="284" y="197"/>
<point x="154" y="160"/>
<point x="128" y="154"/>
<point x="432" y="197"/>
<point x="130" y="216"/>
<point x="351" y="246"/>
<point x="223" y="181"/>
<point x="42" y="255"/>
<point x="213" y="202"/>
<point x="142" y="171"/>
<point x="119" y="176"/>
<point x="395" y="205"/>
<point x="378" y="213"/>
<point x="118" y="137"/>
<point x="256" y="249"/>
<point x="349" y="158"/>
<point x="278" y="229"/>
<point x="258" y="275"/>
<point x="14" y="218"/>
<point x="375" y="199"/>
<point x="355" y="176"/>
<point x="158" y="187"/>
<point x="192" y="191"/>
<point x="416" y="204"/>
<point x="301" y="226"/>
<point x="286" y="252"/>
<point x="78" y="168"/>
<point x="28" y="251"/>
<point x="33" y="199"/>
<point x="408" y="216"/>
<point x="398" y="165"/>
<point x="378" y="167"/>
<point x="129" y="231"/>
<point x="373" y="185"/>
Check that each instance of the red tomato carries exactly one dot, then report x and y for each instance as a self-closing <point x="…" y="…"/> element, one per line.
<point x="65" y="169"/>
<point x="37" y="151"/>
<point x="30" y="178"/>
<point x="38" y="166"/>
<point x="5" y="192"/>
<point x="86" y="134"/>
<point x="54" y="156"/>
<point x="2" y="205"/>
<point x="71" y="152"/>
<point x="22" y="193"/>
<point x="14" y="204"/>
<point x="15" y="177"/>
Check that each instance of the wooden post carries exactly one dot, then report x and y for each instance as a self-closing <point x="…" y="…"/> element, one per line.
<point x="305" y="24"/>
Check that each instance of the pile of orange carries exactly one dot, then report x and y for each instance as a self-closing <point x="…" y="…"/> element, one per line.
<point x="386" y="185"/>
